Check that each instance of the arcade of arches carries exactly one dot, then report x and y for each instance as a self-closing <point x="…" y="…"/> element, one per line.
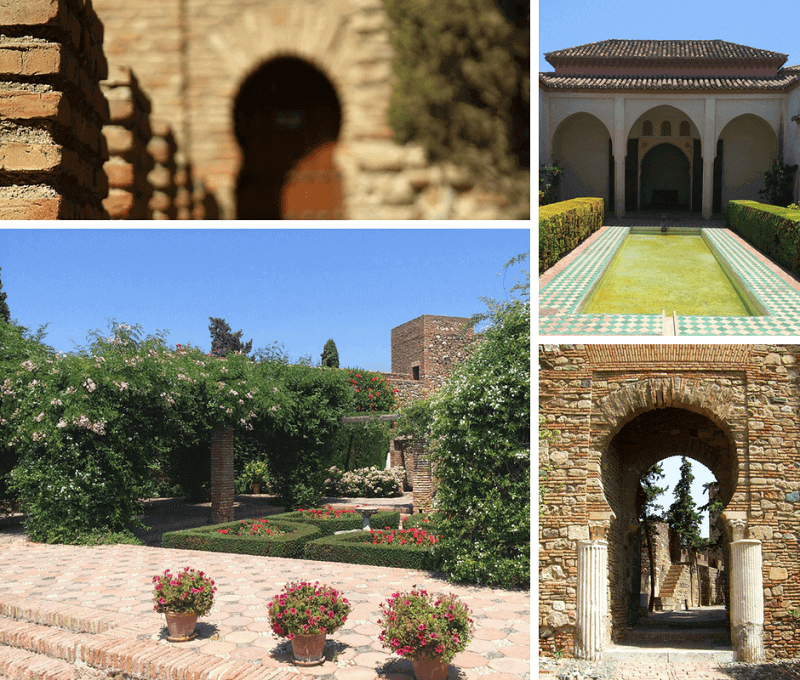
<point x="615" y="410"/>
<point x="668" y="124"/>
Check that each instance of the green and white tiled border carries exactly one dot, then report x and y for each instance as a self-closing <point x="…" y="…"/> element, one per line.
<point x="559" y="300"/>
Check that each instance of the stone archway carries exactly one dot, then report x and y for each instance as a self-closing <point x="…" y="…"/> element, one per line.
<point x="626" y="438"/>
<point x="287" y="118"/>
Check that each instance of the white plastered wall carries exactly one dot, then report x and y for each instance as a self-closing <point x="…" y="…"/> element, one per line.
<point x="749" y="147"/>
<point x="580" y="147"/>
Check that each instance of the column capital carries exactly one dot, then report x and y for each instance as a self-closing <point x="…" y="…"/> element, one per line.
<point x="736" y="522"/>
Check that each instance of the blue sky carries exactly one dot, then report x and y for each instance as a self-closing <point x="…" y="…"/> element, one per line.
<point x="771" y="25"/>
<point x="297" y="286"/>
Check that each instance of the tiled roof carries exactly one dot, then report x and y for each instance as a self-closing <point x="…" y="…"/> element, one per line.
<point x="784" y="79"/>
<point x="664" y="49"/>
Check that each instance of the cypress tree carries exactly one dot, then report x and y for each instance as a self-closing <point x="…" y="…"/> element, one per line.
<point x="5" y="313"/>
<point x="223" y="341"/>
<point x="463" y="88"/>
<point x="330" y="355"/>
<point x="683" y="515"/>
<point x="650" y="511"/>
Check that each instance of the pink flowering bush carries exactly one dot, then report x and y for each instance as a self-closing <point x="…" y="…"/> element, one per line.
<point x="419" y="625"/>
<point x="307" y="609"/>
<point x="186" y="591"/>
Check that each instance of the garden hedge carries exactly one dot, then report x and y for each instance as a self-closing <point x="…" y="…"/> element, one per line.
<point x="206" y="538"/>
<point x="357" y="548"/>
<point x="564" y="225"/>
<point x="775" y="231"/>
<point x="421" y="520"/>
<point x="328" y="527"/>
<point x="305" y="543"/>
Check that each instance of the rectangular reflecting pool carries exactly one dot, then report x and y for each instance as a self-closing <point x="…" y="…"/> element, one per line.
<point x="671" y="272"/>
<point x="712" y="283"/>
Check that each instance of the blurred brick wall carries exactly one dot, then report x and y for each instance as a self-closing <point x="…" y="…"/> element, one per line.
<point x="51" y="111"/>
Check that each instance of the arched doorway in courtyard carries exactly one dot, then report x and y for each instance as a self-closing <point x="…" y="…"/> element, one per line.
<point x="582" y="148"/>
<point x="663" y="162"/>
<point x="748" y="145"/>
<point x="287" y="118"/>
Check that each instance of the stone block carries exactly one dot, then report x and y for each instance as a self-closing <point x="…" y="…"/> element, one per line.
<point x="777" y="574"/>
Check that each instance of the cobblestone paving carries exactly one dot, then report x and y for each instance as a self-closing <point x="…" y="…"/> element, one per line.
<point x="118" y="579"/>
<point x="571" y="669"/>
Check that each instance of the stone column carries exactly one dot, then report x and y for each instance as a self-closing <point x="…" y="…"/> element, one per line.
<point x="620" y="151"/>
<point x="709" y="136"/>
<point x="592" y="613"/>
<point x="222" y="476"/>
<point x="747" y="600"/>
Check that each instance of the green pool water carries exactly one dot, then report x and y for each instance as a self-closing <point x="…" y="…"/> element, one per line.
<point x="669" y="272"/>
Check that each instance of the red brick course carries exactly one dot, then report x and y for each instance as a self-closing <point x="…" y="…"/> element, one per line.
<point x="54" y="143"/>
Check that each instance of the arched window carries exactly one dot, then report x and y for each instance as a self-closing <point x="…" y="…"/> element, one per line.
<point x="666" y="129"/>
<point x="647" y="128"/>
<point x="685" y="129"/>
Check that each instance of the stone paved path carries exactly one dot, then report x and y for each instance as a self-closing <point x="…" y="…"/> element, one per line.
<point x="117" y="579"/>
<point x="642" y="670"/>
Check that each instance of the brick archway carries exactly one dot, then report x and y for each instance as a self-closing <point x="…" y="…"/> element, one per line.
<point x="287" y="119"/>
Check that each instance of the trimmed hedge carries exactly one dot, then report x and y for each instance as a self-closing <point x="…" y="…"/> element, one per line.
<point x="775" y="231"/>
<point x="357" y="548"/>
<point x="328" y="527"/>
<point x="564" y="225"/>
<point x="422" y="521"/>
<point x="206" y="538"/>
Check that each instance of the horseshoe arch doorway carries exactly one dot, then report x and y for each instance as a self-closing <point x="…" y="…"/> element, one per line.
<point x="287" y="118"/>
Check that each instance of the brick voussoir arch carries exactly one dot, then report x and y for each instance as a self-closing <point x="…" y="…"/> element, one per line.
<point x="720" y="404"/>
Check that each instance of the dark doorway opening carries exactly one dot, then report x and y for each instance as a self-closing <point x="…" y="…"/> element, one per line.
<point x="287" y="118"/>
<point x="665" y="179"/>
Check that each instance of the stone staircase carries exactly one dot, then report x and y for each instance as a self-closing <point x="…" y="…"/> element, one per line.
<point x="44" y="640"/>
<point x="666" y="599"/>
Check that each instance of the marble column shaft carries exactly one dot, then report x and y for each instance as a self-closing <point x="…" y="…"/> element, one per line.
<point x="747" y="600"/>
<point x="592" y="612"/>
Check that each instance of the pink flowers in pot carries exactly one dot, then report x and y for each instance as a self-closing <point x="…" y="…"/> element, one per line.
<point x="418" y="625"/>
<point x="185" y="591"/>
<point x="307" y="609"/>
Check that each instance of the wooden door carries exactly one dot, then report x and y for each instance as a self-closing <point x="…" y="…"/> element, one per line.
<point x="313" y="188"/>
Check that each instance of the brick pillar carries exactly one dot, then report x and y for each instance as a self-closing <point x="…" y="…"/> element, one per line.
<point x="221" y="476"/>
<point x="127" y="138"/>
<point x="52" y="108"/>
<point x="422" y="476"/>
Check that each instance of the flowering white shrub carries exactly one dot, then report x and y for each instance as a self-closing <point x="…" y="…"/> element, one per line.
<point x="365" y="482"/>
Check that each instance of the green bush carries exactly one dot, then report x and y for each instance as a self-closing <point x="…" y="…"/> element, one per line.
<point x="775" y="231"/>
<point x="421" y="520"/>
<point x="346" y="522"/>
<point x="357" y="548"/>
<point x="479" y="440"/>
<point x="207" y="538"/>
<point x="361" y="445"/>
<point x="365" y="483"/>
<point x="564" y="225"/>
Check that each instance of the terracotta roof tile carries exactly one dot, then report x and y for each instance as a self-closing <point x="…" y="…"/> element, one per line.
<point x="784" y="79"/>
<point x="664" y="49"/>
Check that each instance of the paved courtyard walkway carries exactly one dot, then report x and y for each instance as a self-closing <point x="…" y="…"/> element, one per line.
<point x="112" y="584"/>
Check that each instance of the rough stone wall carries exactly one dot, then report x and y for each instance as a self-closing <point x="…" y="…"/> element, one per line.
<point x="433" y="343"/>
<point x="743" y="402"/>
<point x="127" y="137"/>
<point x="660" y="538"/>
<point x="192" y="57"/>
<point x="51" y="111"/>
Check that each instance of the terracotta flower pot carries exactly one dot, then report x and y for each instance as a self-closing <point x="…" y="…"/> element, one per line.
<point x="181" y="626"/>
<point x="308" y="650"/>
<point x="256" y="488"/>
<point x="430" y="669"/>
